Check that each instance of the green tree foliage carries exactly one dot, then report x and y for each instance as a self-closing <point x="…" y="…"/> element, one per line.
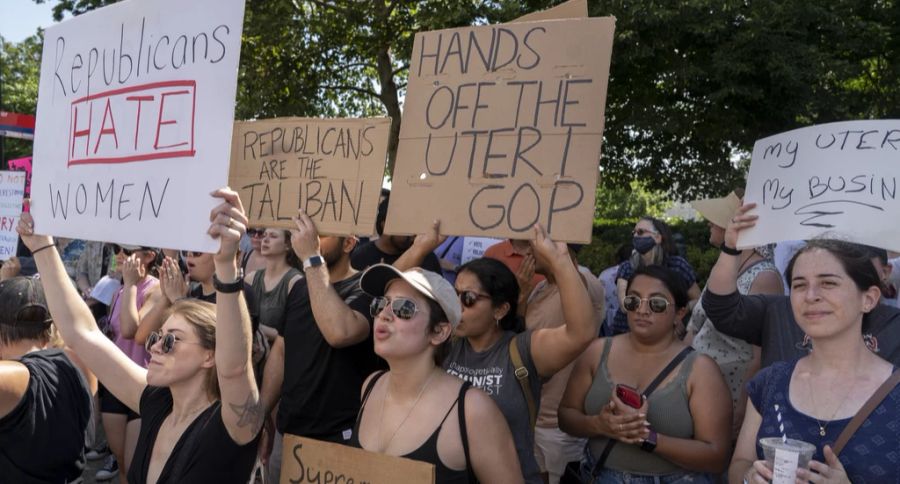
<point x="629" y="203"/>
<point x="20" y="65"/>
<point x="692" y="85"/>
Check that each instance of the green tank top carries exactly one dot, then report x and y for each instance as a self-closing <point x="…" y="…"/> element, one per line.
<point x="669" y="414"/>
<point x="272" y="303"/>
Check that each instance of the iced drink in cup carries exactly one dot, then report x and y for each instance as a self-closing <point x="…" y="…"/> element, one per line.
<point x="784" y="466"/>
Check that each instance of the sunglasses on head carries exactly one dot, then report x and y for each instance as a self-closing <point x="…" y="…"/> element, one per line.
<point x="657" y="304"/>
<point x="168" y="341"/>
<point x="256" y="232"/>
<point x="469" y="298"/>
<point x="401" y="307"/>
<point x="118" y="248"/>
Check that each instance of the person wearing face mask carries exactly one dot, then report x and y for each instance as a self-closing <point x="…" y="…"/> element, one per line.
<point x="653" y="245"/>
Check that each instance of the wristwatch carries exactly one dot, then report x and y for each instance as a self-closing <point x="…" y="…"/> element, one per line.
<point x="314" y="261"/>
<point x="229" y="287"/>
<point x="649" y="444"/>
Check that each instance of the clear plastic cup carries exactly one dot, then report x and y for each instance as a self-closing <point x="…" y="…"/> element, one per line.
<point x="805" y="450"/>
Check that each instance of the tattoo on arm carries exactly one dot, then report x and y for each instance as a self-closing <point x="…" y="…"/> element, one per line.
<point x="251" y="413"/>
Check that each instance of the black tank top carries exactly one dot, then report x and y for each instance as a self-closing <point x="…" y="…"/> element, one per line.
<point x="427" y="452"/>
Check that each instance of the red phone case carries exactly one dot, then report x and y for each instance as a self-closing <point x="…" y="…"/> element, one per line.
<point x="629" y="396"/>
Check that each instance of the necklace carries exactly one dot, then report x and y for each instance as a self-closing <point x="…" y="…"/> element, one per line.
<point x="408" y="413"/>
<point x="841" y="404"/>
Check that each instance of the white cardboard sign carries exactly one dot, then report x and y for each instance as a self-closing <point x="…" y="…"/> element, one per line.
<point x="12" y="191"/>
<point x="134" y="119"/>
<point x="835" y="180"/>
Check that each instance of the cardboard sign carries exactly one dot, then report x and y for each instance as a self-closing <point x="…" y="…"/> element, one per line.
<point x="502" y="127"/>
<point x="330" y="168"/>
<point x="835" y="180"/>
<point x="134" y="118"/>
<point x="313" y="461"/>
<point x="570" y="9"/>
<point x="12" y="192"/>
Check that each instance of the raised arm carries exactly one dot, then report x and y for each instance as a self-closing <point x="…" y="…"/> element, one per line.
<point x="123" y="377"/>
<point x="339" y="325"/>
<point x="242" y="411"/>
<point x="554" y="348"/>
<point x="172" y="287"/>
<point x="130" y="316"/>
<point x="423" y="245"/>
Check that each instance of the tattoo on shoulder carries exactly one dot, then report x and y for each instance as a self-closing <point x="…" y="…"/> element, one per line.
<point x="251" y="413"/>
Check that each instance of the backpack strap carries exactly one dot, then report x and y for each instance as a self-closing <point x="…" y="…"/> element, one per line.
<point x="461" y="411"/>
<point x="871" y="404"/>
<point x="522" y="376"/>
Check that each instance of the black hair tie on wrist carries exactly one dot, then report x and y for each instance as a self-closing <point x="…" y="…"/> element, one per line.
<point x="42" y="248"/>
<point x="729" y="250"/>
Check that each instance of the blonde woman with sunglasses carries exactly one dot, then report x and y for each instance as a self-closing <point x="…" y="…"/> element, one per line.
<point x="680" y="432"/>
<point x="198" y="401"/>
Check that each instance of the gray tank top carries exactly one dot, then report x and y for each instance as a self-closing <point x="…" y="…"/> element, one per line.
<point x="669" y="414"/>
<point x="272" y="303"/>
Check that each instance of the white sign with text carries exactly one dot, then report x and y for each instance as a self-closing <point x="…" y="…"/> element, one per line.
<point x="12" y="192"/>
<point x="134" y="119"/>
<point x="834" y="180"/>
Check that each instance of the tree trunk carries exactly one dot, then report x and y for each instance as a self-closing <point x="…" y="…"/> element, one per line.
<point x="391" y="101"/>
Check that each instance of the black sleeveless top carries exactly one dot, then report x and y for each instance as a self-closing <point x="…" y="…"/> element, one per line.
<point x="205" y="451"/>
<point x="427" y="452"/>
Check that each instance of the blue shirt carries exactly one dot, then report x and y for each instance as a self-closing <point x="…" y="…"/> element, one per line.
<point x="871" y="456"/>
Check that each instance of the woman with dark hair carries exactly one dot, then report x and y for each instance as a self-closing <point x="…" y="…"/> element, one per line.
<point x="509" y="365"/>
<point x="676" y="433"/>
<point x="415" y="410"/>
<point x="653" y="245"/>
<point x="45" y="404"/>
<point x="198" y="401"/>
<point x="833" y="288"/>
<point x="272" y="284"/>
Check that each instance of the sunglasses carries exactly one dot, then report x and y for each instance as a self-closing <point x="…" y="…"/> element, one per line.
<point x="118" y="248"/>
<point x="168" y="341"/>
<point x="657" y="304"/>
<point x="256" y="232"/>
<point x="469" y="298"/>
<point x="401" y="307"/>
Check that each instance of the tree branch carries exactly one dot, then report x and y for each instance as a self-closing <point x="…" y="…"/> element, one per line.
<point x="352" y="88"/>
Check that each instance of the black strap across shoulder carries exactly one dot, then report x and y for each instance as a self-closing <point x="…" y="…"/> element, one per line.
<point x="652" y="386"/>
<point x="461" y="406"/>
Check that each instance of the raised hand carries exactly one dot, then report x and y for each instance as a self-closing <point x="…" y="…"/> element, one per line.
<point x="174" y="284"/>
<point x="305" y="238"/>
<point x="741" y="221"/>
<point x="229" y="223"/>
<point x="132" y="270"/>
<point x="26" y="232"/>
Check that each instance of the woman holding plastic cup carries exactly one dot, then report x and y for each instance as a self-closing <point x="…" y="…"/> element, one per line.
<point x="833" y="287"/>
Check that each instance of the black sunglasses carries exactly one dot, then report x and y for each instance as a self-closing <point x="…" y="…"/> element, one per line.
<point x="401" y="307"/>
<point x="469" y="298"/>
<point x="256" y="232"/>
<point x="118" y="248"/>
<point x="657" y="304"/>
<point x="168" y="341"/>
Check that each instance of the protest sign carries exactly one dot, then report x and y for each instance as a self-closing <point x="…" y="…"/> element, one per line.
<point x="22" y="164"/>
<point x="502" y="127"/>
<point x="836" y="180"/>
<point x="474" y="247"/>
<point x="134" y="118"/>
<point x="12" y="192"/>
<point x="314" y="461"/>
<point x="570" y="9"/>
<point x="332" y="169"/>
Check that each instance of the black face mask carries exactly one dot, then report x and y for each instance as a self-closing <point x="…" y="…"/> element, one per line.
<point x="643" y="244"/>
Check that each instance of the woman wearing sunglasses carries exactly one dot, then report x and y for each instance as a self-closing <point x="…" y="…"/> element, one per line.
<point x="681" y="430"/>
<point x="253" y="259"/>
<point x="488" y="345"/>
<point x="416" y="410"/>
<point x="198" y="401"/>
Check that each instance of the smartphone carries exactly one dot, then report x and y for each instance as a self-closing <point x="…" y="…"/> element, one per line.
<point x="629" y="396"/>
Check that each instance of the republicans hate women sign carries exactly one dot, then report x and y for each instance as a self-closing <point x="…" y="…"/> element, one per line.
<point x="134" y="120"/>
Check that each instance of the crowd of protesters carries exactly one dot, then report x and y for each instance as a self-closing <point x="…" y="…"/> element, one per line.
<point x="519" y="366"/>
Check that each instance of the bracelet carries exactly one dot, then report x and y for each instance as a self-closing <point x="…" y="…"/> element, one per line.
<point x="728" y="250"/>
<point x="42" y="248"/>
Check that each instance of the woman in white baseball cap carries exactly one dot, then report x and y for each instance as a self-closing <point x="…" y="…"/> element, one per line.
<point x="416" y="410"/>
